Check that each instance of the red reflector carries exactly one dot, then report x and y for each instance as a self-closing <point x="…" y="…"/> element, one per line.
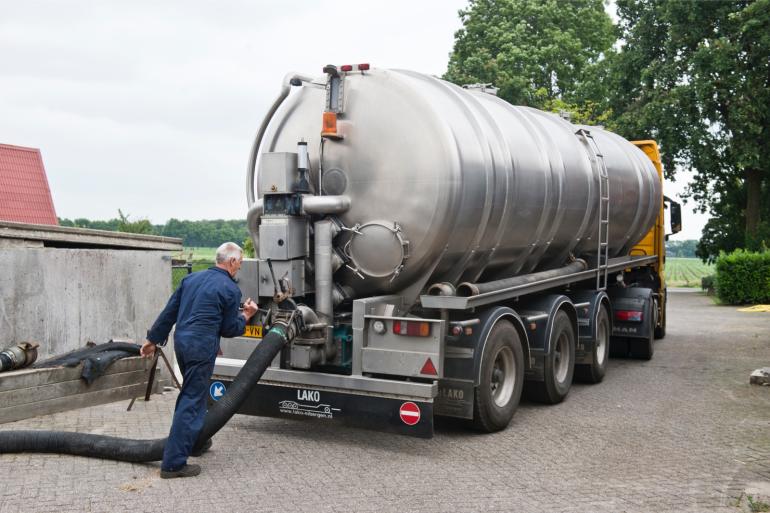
<point x="363" y="67"/>
<point x="429" y="368"/>
<point x="346" y="67"/>
<point x="411" y="328"/>
<point x="628" y="315"/>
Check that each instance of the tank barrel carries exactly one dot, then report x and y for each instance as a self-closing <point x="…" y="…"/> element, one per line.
<point x="436" y="184"/>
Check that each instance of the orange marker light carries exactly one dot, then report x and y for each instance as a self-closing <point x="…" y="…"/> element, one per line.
<point x="329" y="128"/>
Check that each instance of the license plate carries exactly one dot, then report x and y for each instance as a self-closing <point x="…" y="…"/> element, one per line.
<point x="253" y="331"/>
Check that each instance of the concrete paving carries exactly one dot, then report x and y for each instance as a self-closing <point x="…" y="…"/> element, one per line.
<point x="683" y="432"/>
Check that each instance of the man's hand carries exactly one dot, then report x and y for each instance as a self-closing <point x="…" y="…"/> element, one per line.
<point x="249" y="309"/>
<point x="147" y="350"/>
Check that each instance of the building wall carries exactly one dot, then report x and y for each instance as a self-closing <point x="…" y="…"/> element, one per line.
<point x="62" y="298"/>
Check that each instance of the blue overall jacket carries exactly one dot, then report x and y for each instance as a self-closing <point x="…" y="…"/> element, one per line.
<point x="204" y="308"/>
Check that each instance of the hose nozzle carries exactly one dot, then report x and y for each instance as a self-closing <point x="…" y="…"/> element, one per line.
<point x="21" y="355"/>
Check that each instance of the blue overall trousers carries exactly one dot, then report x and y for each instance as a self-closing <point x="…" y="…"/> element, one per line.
<point x="204" y="307"/>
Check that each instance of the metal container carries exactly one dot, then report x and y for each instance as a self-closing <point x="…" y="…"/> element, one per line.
<point x="450" y="185"/>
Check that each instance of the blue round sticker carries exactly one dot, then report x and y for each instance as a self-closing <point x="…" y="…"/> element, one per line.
<point x="217" y="390"/>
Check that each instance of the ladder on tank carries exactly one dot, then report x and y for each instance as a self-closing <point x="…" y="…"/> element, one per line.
<point x="603" y="246"/>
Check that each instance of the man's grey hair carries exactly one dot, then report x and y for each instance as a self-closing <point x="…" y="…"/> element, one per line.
<point x="227" y="251"/>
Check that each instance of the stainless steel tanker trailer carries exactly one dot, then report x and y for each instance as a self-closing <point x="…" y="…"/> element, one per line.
<point x="445" y="251"/>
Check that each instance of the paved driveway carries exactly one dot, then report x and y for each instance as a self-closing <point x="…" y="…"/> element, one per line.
<point x="683" y="432"/>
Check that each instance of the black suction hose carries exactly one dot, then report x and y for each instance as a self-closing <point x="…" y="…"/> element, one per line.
<point x="127" y="449"/>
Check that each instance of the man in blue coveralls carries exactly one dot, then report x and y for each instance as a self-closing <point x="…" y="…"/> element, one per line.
<point x="204" y="308"/>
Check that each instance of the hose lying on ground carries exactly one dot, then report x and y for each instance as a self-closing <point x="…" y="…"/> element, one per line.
<point x="127" y="449"/>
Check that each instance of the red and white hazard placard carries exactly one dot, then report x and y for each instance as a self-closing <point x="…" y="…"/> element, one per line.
<point x="410" y="413"/>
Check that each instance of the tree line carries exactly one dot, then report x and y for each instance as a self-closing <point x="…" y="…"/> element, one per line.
<point x="212" y="233"/>
<point x="692" y="75"/>
<point x="205" y="233"/>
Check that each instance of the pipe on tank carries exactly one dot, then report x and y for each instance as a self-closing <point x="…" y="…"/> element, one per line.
<point x="321" y="205"/>
<point x="325" y="231"/>
<point x="474" y="289"/>
<point x="289" y="80"/>
<point x="442" y="289"/>
<point x="252" y="223"/>
<point x="325" y="204"/>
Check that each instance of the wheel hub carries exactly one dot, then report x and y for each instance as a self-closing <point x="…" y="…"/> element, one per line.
<point x="503" y="377"/>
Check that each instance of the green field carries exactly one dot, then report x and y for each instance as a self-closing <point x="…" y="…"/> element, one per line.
<point x="686" y="272"/>
<point x="197" y="254"/>
<point x="201" y="258"/>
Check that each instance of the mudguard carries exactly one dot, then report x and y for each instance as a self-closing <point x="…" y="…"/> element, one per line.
<point x="632" y="298"/>
<point x="462" y="362"/>
<point x="539" y="313"/>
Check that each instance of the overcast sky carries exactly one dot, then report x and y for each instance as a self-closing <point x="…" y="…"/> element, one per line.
<point x="151" y="107"/>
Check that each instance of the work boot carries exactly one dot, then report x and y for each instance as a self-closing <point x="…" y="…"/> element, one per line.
<point x="186" y="471"/>
<point x="206" y="446"/>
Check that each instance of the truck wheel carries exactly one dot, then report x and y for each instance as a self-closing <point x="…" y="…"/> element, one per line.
<point x="559" y="365"/>
<point x="501" y="380"/>
<point x="642" y="348"/>
<point x="594" y="372"/>
<point x="660" y="331"/>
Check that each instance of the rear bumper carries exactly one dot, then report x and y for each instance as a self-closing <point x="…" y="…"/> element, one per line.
<point x="393" y="414"/>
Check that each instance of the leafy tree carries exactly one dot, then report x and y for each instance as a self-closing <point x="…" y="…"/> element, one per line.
<point x="722" y="232"/>
<point x="140" y="226"/>
<point x="110" y="225"/>
<point x="695" y="76"/>
<point x="194" y="233"/>
<point x="248" y="247"/>
<point x="534" y="51"/>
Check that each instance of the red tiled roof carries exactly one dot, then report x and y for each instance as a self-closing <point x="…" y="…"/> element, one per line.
<point x="24" y="193"/>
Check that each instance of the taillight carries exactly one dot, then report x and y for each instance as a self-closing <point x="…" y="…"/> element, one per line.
<point x="346" y="67"/>
<point x="411" y="328"/>
<point x="628" y="315"/>
<point x="363" y="67"/>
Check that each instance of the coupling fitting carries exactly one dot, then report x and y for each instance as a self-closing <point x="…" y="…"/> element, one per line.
<point x="21" y="355"/>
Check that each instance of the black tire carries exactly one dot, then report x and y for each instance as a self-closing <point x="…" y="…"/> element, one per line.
<point x="660" y="331"/>
<point x="594" y="372"/>
<point x="643" y="348"/>
<point x="502" y="379"/>
<point x="559" y="365"/>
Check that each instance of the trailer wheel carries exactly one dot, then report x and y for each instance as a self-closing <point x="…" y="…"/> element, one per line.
<point x="642" y="348"/>
<point x="501" y="379"/>
<point x="594" y="372"/>
<point x="559" y="365"/>
<point x="660" y="331"/>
